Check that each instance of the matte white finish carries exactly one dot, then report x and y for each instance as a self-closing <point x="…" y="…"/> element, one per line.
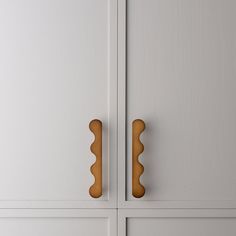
<point x="58" y="222"/>
<point x="57" y="73"/>
<point x="180" y="227"/>
<point x="48" y="227"/>
<point x="180" y="79"/>
<point x="177" y="222"/>
<point x="176" y="71"/>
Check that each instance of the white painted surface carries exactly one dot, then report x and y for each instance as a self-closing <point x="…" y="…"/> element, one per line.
<point x="180" y="69"/>
<point x="177" y="222"/>
<point x="57" y="73"/>
<point x="58" y="222"/>
<point x="51" y="227"/>
<point x="181" y="227"/>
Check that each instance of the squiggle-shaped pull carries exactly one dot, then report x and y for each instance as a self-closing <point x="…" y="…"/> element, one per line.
<point x="138" y="189"/>
<point x="95" y="190"/>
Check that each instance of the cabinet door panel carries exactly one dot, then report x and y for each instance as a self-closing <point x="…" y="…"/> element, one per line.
<point x="62" y="223"/>
<point x="180" y="77"/>
<point x="178" y="223"/>
<point x="49" y="227"/>
<point x="57" y="71"/>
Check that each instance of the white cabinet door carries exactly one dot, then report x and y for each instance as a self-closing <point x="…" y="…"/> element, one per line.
<point x="58" y="222"/>
<point x="176" y="222"/>
<point x="57" y="73"/>
<point x="177" y="60"/>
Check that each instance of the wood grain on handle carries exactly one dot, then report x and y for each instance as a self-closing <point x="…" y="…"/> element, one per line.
<point x="138" y="189"/>
<point x="95" y="190"/>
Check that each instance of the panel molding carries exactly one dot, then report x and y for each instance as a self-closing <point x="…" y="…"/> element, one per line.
<point x="58" y="213"/>
<point x="177" y="204"/>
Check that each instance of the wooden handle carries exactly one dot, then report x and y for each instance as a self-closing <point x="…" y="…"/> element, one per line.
<point x="95" y="190"/>
<point x="138" y="189"/>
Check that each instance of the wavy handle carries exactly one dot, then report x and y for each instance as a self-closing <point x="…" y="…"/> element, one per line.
<point x="95" y="190"/>
<point x="138" y="189"/>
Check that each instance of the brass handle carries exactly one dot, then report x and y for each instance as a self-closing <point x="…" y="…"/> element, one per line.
<point x="138" y="189"/>
<point x="95" y="190"/>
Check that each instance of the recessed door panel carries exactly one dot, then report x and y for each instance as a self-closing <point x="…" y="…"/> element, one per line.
<point x="48" y="227"/>
<point x="180" y="78"/>
<point x="58" y="223"/>
<point x="56" y="75"/>
<point x="181" y="227"/>
<point x="176" y="222"/>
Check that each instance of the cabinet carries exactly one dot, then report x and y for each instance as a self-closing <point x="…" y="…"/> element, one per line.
<point x="170" y="63"/>
<point x="58" y="73"/>
<point x="178" y="58"/>
<point x="176" y="72"/>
